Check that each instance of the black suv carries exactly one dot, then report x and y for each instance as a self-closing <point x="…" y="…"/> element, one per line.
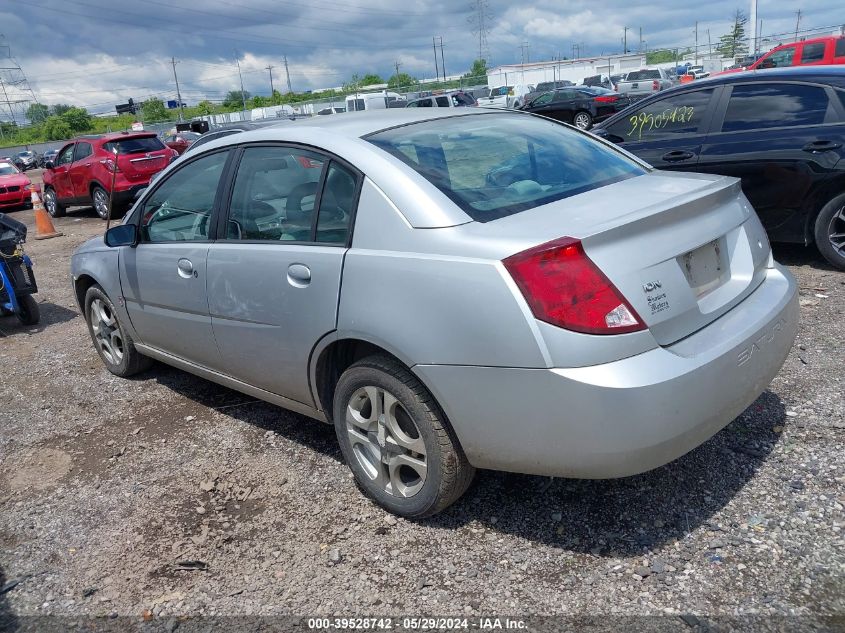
<point x="782" y="131"/>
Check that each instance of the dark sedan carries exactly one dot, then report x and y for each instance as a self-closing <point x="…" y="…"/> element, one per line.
<point x="580" y="105"/>
<point x="781" y="131"/>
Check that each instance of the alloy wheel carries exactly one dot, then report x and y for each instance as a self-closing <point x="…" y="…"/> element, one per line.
<point x="50" y="202"/>
<point x="101" y="203"/>
<point x="106" y="331"/>
<point x="836" y="231"/>
<point x="582" y="121"/>
<point x="386" y="441"/>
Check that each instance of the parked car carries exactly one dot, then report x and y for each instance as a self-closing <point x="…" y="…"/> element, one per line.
<point x="180" y="141"/>
<point x="26" y="160"/>
<point x="642" y="83"/>
<point x="49" y="155"/>
<point x="506" y="96"/>
<point x="371" y="101"/>
<point x="517" y="294"/>
<point x="84" y="169"/>
<point x="546" y="86"/>
<point x="15" y="187"/>
<point x="455" y="99"/>
<point x="698" y="72"/>
<point x="781" y="131"/>
<point x="581" y="106"/>
<point x="819" y="51"/>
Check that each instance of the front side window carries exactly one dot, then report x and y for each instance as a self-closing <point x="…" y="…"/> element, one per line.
<point x="442" y="102"/>
<point x="180" y="209"/>
<point x="779" y="59"/>
<point x="274" y="195"/>
<point x="664" y="118"/>
<point x="544" y="99"/>
<point x="496" y="165"/>
<point x="761" y="106"/>
<point x="812" y="53"/>
<point x="65" y="156"/>
<point x="83" y="150"/>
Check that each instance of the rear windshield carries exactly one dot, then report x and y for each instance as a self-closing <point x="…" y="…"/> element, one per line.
<point x="637" y="75"/>
<point x="137" y="145"/>
<point x="496" y="165"/>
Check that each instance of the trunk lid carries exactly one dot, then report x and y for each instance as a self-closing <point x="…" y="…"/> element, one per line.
<point x="139" y="157"/>
<point x="683" y="249"/>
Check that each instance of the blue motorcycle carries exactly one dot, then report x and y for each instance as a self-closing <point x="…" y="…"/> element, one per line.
<point x="17" y="283"/>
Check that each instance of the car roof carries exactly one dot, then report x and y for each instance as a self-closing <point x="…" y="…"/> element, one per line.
<point x="829" y="74"/>
<point x="113" y="136"/>
<point x="814" y="40"/>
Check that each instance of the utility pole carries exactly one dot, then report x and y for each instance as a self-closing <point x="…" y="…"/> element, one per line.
<point x="797" y="22"/>
<point x="641" y="40"/>
<point x="696" y="43"/>
<point x="396" y="65"/>
<point x="243" y="95"/>
<point x="178" y="94"/>
<point x="436" y="65"/>
<point x="287" y="73"/>
<point x="753" y="19"/>
<point x="625" y="41"/>
<point x="272" y="90"/>
<point x="442" y="61"/>
<point x="709" y="44"/>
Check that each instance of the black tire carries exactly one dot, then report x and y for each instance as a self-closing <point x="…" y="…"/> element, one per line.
<point x="830" y="232"/>
<point x="582" y="120"/>
<point x="28" y="312"/>
<point x="448" y="474"/>
<point x="121" y="359"/>
<point x="100" y="198"/>
<point x="51" y="203"/>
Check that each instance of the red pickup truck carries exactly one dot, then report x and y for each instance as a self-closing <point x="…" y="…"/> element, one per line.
<point x="815" y="52"/>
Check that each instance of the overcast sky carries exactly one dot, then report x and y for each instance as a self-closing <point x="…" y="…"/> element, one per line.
<point x="95" y="53"/>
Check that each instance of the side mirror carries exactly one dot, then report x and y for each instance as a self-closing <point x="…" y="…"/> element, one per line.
<point x="121" y="235"/>
<point x="49" y="165"/>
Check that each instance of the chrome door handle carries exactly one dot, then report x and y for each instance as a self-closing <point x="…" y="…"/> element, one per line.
<point x="185" y="268"/>
<point x="299" y="275"/>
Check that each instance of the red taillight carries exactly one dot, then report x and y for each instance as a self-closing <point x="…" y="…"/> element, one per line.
<point x="655" y="85"/>
<point x="111" y="165"/>
<point x="607" y="99"/>
<point x="565" y="288"/>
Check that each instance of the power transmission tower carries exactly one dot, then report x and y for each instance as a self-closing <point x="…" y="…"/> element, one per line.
<point x="272" y="90"/>
<point x="17" y="93"/>
<point x="178" y="94"/>
<point x="526" y="55"/>
<point x="287" y="73"/>
<point x="480" y="20"/>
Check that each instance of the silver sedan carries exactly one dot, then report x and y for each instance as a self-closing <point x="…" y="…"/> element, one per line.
<point x="452" y="291"/>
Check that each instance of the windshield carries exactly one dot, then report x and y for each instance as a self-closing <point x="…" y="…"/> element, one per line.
<point x="136" y="145"/>
<point x="8" y="170"/>
<point x="24" y="154"/>
<point x="496" y="165"/>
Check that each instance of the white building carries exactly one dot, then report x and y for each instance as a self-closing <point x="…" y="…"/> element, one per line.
<point x="575" y="70"/>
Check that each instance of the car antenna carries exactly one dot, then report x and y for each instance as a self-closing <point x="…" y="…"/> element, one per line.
<point x="113" y="178"/>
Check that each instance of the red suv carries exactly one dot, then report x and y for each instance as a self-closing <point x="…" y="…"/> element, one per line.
<point x="83" y="170"/>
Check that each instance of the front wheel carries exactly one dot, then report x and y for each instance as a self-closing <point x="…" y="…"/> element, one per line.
<point x="28" y="312"/>
<point x="397" y="442"/>
<point x="830" y="232"/>
<point x="101" y="202"/>
<point x="583" y="120"/>
<point x="113" y="344"/>
<point x="51" y="203"/>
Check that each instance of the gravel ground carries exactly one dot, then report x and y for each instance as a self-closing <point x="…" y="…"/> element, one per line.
<point x="167" y="496"/>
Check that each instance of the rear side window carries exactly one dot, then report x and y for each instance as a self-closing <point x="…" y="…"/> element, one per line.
<point x="664" y="118"/>
<point x="812" y="53"/>
<point x="462" y="99"/>
<point x="137" y="145"/>
<point x="762" y="106"/>
<point x="839" y="51"/>
<point x="496" y="165"/>
<point x="442" y="102"/>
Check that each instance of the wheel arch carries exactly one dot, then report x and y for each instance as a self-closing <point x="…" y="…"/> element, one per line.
<point x="95" y="183"/>
<point x="333" y="355"/>
<point x="80" y="287"/>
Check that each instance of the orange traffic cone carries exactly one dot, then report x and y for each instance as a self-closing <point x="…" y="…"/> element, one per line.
<point x="43" y="224"/>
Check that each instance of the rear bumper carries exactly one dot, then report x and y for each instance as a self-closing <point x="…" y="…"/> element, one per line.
<point x="628" y="416"/>
<point x="125" y="197"/>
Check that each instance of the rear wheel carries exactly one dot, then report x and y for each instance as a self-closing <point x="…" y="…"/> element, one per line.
<point x="830" y="232"/>
<point x="101" y="202"/>
<point x="113" y="344"/>
<point x="28" y="312"/>
<point x="582" y="120"/>
<point x="396" y="440"/>
<point x="51" y="203"/>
